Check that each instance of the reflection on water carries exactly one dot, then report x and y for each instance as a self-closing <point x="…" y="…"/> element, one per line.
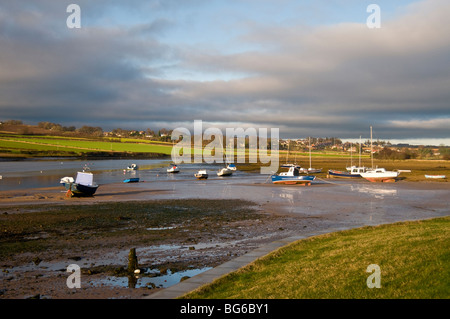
<point x="150" y="278"/>
<point x="377" y="192"/>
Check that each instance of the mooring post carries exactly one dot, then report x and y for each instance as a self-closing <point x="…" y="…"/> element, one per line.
<point x="132" y="261"/>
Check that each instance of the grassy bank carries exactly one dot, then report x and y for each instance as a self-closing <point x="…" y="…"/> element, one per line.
<point x="58" y="146"/>
<point x="414" y="259"/>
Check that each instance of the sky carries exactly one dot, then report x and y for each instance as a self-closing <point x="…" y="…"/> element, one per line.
<point x="309" y="68"/>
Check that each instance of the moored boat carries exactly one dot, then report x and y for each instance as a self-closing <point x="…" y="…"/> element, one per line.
<point x="310" y="170"/>
<point x="380" y="175"/>
<point x="352" y="172"/>
<point x="83" y="185"/>
<point x="292" y="176"/>
<point x="173" y="169"/>
<point x="202" y="174"/>
<point x="225" y="172"/>
<point x="131" y="180"/>
<point x="435" y="176"/>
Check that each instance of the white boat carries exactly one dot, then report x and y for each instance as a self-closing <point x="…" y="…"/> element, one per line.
<point x="352" y="171"/>
<point x="173" y="169"/>
<point x="310" y="170"/>
<point x="202" y="174"/>
<point x="225" y="172"/>
<point x="378" y="174"/>
<point x="435" y="176"/>
<point x="132" y="167"/>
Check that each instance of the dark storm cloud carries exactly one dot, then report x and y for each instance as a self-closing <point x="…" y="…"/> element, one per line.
<point x="331" y="80"/>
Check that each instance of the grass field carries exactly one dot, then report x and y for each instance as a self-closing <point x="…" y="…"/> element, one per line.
<point x="414" y="261"/>
<point x="18" y="144"/>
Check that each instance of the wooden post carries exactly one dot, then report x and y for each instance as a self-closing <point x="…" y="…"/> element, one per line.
<point x="132" y="261"/>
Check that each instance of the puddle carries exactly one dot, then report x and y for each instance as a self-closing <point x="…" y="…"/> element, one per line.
<point x="161" y="228"/>
<point x="144" y="281"/>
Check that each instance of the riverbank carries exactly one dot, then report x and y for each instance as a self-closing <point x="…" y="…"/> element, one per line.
<point x="407" y="260"/>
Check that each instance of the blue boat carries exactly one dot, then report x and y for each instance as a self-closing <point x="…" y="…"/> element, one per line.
<point x="131" y="180"/>
<point x="292" y="176"/>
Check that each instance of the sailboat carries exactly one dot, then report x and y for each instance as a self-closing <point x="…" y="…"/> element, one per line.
<point x="227" y="170"/>
<point x="353" y="171"/>
<point x="311" y="170"/>
<point x="378" y="174"/>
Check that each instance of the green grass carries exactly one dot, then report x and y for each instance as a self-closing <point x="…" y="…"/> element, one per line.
<point x="414" y="258"/>
<point x="79" y="145"/>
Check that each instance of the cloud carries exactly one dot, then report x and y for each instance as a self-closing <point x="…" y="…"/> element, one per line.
<point x="131" y="65"/>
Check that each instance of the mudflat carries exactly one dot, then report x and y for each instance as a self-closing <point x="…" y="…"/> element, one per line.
<point x="178" y="230"/>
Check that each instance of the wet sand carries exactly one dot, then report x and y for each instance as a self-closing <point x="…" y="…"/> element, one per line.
<point x="284" y="211"/>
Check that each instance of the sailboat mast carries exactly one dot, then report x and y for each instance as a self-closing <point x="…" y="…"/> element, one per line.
<point x="360" y="151"/>
<point x="371" y="146"/>
<point x="309" y="152"/>
<point x="351" y="154"/>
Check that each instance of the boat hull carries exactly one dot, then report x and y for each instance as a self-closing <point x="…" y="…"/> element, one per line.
<point x="80" y="190"/>
<point x="225" y="172"/>
<point x="201" y="176"/>
<point x="292" y="180"/>
<point x="381" y="177"/>
<point x="435" y="176"/>
<point x="131" y="180"/>
<point x="340" y="174"/>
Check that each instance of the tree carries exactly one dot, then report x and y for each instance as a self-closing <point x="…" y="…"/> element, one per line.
<point x="91" y="131"/>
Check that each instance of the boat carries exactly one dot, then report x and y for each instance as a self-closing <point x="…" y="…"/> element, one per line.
<point x="173" y="169"/>
<point x="352" y="172"/>
<point x="202" y="174"/>
<point x="132" y="167"/>
<point x="225" y="172"/>
<point x="83" y="185"/>
<point x="435" y="176"/>
<point x="311" y="170"/>
<point x="292" y="176"/>
<point x="378" y="174"/>
<point x="131" y="180"/>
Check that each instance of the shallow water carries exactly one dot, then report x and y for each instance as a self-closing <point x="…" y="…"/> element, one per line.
<point x="142" y="281"/>
<point x="23" y="174"/>
<point x="325" y="206"/>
